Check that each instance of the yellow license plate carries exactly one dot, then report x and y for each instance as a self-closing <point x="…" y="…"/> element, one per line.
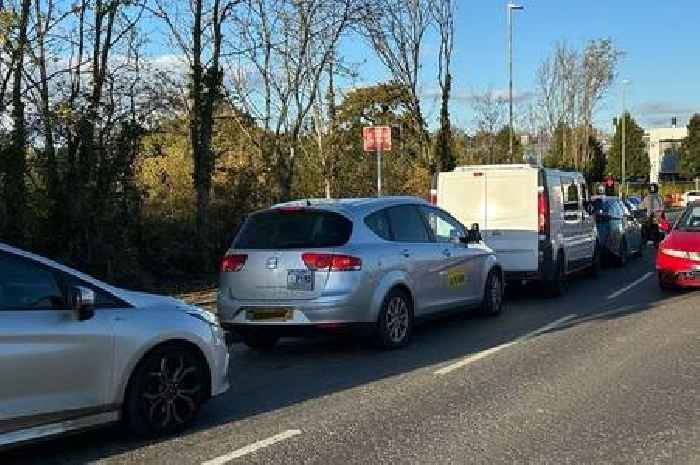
<point x="269" y="314"/>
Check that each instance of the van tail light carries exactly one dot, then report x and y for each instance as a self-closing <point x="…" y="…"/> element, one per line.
<point x="542" y="212"/>
<point x="233" y="262"/>
<point x="332" y="262"/>
<point x="433" y="196"/>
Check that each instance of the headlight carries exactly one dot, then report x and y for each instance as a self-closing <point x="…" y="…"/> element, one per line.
<point x="676" y="253"/>
<point x="205" y="316"/>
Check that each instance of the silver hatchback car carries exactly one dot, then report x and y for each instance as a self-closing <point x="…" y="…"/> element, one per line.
<point x="76" y="353"/>
<point x="378" y="264"/>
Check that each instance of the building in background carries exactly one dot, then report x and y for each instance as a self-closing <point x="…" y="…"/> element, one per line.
<point x="663" y="146"/>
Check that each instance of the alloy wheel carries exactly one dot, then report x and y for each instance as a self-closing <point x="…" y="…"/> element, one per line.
<point x="397" y="319"/>
<point x="172" y="392"/>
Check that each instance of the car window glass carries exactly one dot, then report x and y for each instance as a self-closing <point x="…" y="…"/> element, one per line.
<point x="444" y="227"/>
<point x="26" y="285"/>
<point x="570" y="194"/>
<point x="291" y="228"/>
<point x="378" y="222"/>
<point x="407" y="224"/>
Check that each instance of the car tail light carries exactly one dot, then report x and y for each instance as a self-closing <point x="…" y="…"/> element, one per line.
<point x="331" y="262"/>
<point x="542" y="212"/>
<point x="233" y="262"/>
<point x="433" y="196"/>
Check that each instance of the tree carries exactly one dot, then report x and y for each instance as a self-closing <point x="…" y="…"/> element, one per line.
<point x="598" y="69"/>
<point x="489" y="115"/>
<point x="396" y="29"/>
<point x="595" y="168"/>
<point x="200" y="41"/>
<point x="690" y="149"/>
<point x="502" y="147"/>
<point x="636" y="156"/>
<point x="443" y="11"/>
<point x="14" y="156"/>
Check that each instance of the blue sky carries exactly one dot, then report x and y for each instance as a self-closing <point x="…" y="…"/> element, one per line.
<point x="660" y="40"/>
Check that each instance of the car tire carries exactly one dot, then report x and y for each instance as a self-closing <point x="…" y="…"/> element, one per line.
<point x="665" y="287"/>
<point x="259" y="340"/>
<point x="492" y="303"/>
<point x="556" y="285"/>
<point x="621" y="260"/>
<point x="166" y="391"/>
<point x="395" y="321"/>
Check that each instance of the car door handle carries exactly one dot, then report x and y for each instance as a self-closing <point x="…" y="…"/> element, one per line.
<point x="447" y="253"/>
<point x="405" y="253"/>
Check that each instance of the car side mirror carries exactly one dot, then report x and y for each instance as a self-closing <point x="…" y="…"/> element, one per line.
<point x="82" y="302"/>
<point x="474" y="235"/>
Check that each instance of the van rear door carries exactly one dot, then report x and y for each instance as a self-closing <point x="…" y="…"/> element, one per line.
<point x="504" y="204"/>
<point x="511" y="227"/>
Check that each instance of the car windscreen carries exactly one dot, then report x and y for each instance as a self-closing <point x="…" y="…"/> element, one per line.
<point x="690" y="220"/>
<point x="293" y="228"/>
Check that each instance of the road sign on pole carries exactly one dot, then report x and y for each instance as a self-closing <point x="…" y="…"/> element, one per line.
<point x="377" y="139"/>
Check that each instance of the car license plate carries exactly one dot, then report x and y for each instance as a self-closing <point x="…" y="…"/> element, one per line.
<point x="300" y="280"/>
<point x="269" y="314"/>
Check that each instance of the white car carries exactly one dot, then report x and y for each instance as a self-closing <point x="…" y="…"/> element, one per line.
<point x="76" y="353"/>
<point x="537" y="220"/>
<point x="690" y="197"/>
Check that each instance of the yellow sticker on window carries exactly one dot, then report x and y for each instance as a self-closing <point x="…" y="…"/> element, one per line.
<point x="456" y="278"/>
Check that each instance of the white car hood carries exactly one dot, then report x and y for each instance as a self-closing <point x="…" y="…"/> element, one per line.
<point x="144" y="299"/>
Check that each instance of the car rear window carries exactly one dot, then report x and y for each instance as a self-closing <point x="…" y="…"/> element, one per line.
<point x="292" y="229"/>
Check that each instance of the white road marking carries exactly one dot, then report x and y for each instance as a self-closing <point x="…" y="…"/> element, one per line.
<point x="630" y="286"/>
<point x="485" y="353"/>
<point x="224" y="459"/>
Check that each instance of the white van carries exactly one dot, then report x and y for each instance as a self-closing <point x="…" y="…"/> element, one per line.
<point x="535" y="219"/>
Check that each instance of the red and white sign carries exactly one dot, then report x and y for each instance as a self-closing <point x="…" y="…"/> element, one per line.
<point x="377" y="138"/>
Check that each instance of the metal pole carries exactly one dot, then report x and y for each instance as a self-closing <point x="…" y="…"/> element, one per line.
<point x="510" y="82"/>
<point x="379" y="172"/>
<point x="624" y="141"/>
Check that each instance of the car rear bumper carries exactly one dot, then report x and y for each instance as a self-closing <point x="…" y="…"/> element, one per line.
<point x="341" y="309"/>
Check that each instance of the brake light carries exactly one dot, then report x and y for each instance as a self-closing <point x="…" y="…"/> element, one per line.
<point x="433" y="196"/>
<point x="332" y="262"/>
<point x="542" y="212"/>
<point x="233" y="262"/>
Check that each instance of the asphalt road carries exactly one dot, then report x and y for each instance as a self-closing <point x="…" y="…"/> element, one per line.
<point x="607" y="374"/>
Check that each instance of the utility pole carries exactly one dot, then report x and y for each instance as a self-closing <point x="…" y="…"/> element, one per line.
<point x="510" y="8"/>
<point x="623" y="185"/>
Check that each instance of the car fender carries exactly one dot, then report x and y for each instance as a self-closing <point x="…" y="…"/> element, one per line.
<point x="385" y="284"/>
<point x="199" y="336"/>
<point x="490" y="263"/>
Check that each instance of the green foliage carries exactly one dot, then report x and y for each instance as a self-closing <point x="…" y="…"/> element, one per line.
<point x="596" y="166"/>
<point x="690" y="149"/>
<point x="503" y="147"/>
<point x="636" y="156"/>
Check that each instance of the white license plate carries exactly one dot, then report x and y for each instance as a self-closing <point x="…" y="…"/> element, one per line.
<point x="300" y="280"/>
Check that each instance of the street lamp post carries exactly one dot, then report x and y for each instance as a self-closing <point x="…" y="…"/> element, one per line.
<point x="624" y="140"/>
<point x="511" y="7"/>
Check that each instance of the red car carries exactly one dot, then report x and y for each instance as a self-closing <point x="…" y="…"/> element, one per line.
<point x="678" y="257"/>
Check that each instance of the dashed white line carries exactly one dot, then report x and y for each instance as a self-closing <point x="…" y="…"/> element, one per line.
<point x="630" y="286"/>
<point x="485" y="353"/>
<point x="226" y="458"/>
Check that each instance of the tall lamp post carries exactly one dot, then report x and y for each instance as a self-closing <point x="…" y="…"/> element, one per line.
<point x="625" y="82"/>
<point x="510" y="8"/>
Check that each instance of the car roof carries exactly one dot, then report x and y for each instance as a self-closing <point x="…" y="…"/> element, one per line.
<point x="48" y="262"/>
<point x="352" y="205"/>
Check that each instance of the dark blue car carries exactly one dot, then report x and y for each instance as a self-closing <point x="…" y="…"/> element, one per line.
<point x="619" y="231"/>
